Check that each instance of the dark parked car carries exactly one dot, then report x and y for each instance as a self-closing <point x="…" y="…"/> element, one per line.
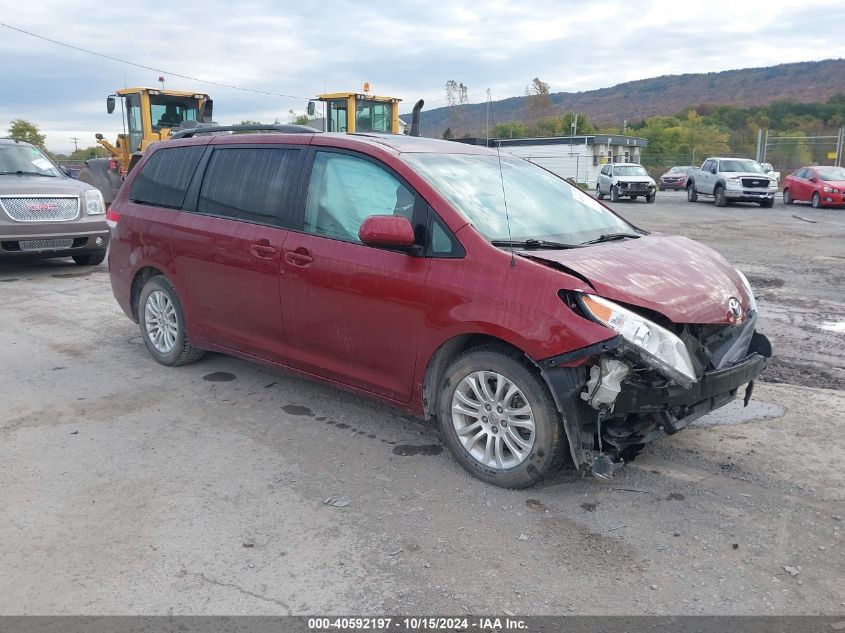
<point x="675" y="178"/>
<point x="43" y="213"/>
<point x="820" y="186"/>
<point x="391" y="266"/>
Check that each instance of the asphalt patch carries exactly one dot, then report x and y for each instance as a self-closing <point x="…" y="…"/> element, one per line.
<point x="297" y="409"/>
<point x="408" y="450"/>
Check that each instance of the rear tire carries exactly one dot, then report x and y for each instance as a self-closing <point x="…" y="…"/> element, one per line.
<point x="787" y="197"/>
<point x="816" y="200"/>
<point x="614" y="194"/>
<point x="719" y="196"/>
<point x="91" y="259"/>
<point x="599" y="194"/>
<point x="511" y="451"/>
<point x="162" y="324"/>
<point x="692" y="194"/>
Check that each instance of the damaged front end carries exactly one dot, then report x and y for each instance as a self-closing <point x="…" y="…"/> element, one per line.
<point x="650" y="380"/>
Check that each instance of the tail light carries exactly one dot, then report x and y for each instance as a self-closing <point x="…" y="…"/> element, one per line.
<point x="112" y="218"/>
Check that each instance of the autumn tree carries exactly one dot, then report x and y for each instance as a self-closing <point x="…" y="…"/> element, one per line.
<point x="538" y="105"/>
<point x="457" y="95"/>
<point x="22" y="130"/>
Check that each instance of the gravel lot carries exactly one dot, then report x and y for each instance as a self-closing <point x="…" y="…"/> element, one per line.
<point x="130" y="488"/>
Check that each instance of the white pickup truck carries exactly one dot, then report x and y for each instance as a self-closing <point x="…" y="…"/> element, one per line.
<point x="732" y="180"/>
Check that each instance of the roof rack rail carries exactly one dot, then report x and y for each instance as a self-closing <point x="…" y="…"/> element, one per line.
<point x="284" y="128"/>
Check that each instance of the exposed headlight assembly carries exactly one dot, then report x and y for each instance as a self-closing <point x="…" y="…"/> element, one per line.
<point x="656" y="345"/>
<point x="94" y="204"/>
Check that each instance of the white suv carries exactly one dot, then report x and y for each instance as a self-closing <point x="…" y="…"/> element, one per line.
<point x="625" y="180"/>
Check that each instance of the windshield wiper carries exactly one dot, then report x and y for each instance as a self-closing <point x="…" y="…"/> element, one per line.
<point x="25" y="173"/>
<point x="532" y="244"/>
<point x="611" y="237"/>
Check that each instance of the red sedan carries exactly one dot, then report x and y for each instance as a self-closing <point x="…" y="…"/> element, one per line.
<point x="821" y="186"/>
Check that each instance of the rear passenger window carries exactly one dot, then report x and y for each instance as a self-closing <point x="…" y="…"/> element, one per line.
<point x="249" y="184"/>
<point x="164" y="178"/>
<point x="344" y="190"/>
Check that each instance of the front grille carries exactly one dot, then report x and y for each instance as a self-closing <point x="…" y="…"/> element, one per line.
<point x="32" y="209"/>
<point x="755" y="182"/>
<point x="634" y="186"/>
<point x="40" y="245"/>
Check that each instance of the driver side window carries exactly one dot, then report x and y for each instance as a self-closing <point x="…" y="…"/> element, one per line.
<point x="344" y="190"/>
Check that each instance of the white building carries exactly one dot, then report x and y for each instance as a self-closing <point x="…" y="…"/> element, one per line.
<point x="576" y="157"/>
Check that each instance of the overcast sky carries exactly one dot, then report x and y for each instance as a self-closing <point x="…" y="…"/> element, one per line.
<point x="404" y="49"/>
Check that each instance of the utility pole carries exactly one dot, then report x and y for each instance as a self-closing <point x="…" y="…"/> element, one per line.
<point x="487" y="128"/>
<point x="75" y="143"/>
<point x="759" y="156"/>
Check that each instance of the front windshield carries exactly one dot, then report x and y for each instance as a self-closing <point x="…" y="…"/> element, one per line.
<point x="540" y="205"/>
<point x="678" y="169"/>
<point x="169" y="111"/>
<point x="26" y="159"/>
<point x="831" y="173"/>
<point x="629" y="170"/>
<point x="750" y="166"/>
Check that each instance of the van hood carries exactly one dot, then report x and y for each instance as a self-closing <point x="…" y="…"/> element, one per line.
<point x="642" y="178"/>
<point x="685" y="281"/>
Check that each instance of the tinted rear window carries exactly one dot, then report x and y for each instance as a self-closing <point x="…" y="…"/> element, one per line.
<point x="165" y="177"/>
<point x="250" y="184"/>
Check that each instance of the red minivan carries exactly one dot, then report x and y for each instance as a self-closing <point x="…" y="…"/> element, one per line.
<point x="439" y="277"/>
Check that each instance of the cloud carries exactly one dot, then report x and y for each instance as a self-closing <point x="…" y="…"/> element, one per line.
<point x="403" y="48"/>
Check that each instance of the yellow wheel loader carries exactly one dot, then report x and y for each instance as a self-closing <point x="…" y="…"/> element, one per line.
<point x="149" y="115"/>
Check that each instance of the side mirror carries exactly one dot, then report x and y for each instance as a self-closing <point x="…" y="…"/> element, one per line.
<point x="387" y="231"/>
<point x="207" y="111"/>
<point x="110" y="104"/>
<point x="713" y="171"/>
<point x="813" y="179"/>
<point x="312" y="108"/>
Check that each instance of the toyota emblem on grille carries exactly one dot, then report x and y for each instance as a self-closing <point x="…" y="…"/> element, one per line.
<point x="42" y="206"/>
<point x="734" y="308"/>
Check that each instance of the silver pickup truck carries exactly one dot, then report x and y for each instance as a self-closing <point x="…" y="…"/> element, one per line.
<point x="732" y="180"/>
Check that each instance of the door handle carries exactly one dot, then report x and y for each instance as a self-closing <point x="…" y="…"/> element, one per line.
<point x="299" y="257"/>
<point x="262" y="249"/>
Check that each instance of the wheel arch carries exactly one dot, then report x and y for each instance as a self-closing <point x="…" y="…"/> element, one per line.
<point x="141" y="277"/>
<point x="446" y="353"/>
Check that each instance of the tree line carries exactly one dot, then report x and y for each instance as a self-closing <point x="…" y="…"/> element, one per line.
<point x="687" y="137"/>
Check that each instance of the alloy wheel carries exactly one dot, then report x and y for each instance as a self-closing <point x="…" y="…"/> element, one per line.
<point x="493" y="420"/>
<point x="160" y="321"/>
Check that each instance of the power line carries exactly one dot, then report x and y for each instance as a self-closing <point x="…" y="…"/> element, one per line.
<point x="158" y="70"/>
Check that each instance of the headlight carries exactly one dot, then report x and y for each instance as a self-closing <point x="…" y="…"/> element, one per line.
<point x="94" y="204"/>
<point x="830" y="189"/>
<point x="656" y="345"/>
<point x="752" y="301"/>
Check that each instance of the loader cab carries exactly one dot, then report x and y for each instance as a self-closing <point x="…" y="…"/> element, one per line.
<point x="150" y="114"/>
<point x="352" y="112"/>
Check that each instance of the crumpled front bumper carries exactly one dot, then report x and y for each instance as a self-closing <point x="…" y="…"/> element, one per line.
<point x="647" y="398"/>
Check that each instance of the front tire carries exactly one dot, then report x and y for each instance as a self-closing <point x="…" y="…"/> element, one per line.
<point x="816" y="200"/>
<point x="650" y="197"/>
<point x="787" y="197"/>
<point x="599" y="194"/>
<point x="91" y="259"/>
<point x="499" y="419"/>
<point x="162" y="324"/>
<point x="692" y="194"/>
<point x="614" y="194"/>
<point x="719" y="196"/>
<point x="768" y="203"/>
